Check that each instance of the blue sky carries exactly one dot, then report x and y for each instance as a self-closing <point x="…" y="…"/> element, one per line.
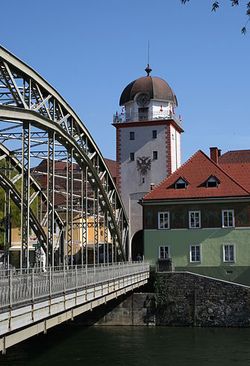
<point x="90" y="50"/>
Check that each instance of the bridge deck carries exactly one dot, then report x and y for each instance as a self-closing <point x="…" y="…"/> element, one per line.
<point x="32" y="302"/>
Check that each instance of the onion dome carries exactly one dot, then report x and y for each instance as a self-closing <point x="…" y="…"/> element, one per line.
<point x="154" y="87"/>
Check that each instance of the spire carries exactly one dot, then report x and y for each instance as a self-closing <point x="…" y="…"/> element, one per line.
<point x="148" y="69"/>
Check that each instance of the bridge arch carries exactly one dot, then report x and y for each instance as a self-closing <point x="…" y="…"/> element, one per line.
<point x="29" y="106"/>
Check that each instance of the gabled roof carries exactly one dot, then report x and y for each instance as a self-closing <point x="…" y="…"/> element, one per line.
<point x="196" y="171"/>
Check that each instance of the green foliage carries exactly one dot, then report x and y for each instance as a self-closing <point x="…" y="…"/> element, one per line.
<point x="216" y="4"/>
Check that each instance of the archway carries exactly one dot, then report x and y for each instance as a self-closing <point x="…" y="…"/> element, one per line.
<point x="137" y="246"/>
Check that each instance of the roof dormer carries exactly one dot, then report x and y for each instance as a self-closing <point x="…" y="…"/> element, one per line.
<point x="181" y="183"/>
<point x="212" y="181"/>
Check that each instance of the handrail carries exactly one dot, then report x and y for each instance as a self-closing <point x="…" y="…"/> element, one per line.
<point x="30" y="285"/>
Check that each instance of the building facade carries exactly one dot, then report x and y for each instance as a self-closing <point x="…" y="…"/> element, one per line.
<point x="199" y="219"/>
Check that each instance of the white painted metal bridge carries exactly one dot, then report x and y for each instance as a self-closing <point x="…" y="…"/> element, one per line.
<point x="33" y="301"/>
<point x="53" y="174"/>
<point x="61" y="210"/>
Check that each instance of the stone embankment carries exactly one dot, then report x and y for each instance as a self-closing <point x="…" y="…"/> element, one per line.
<point x="184" y="299"/>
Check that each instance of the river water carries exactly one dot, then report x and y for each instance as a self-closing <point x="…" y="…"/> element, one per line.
<point x="73" y="345"/>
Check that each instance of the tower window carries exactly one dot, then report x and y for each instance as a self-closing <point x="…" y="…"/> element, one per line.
<point x="154" y="134"/>
<point x="155" y="155"/>
<point x="132" y="156"/>
<point x="131" y="135"/>
<point x="143" y="114"/>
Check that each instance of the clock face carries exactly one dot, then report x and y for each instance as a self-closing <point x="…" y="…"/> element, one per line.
<point x="143" y="99"/>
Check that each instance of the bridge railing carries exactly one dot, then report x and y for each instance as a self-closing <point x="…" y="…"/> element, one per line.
<point x="32" y="285"/>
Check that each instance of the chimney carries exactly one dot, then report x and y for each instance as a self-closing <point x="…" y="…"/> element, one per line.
<point x="215" y="153"/>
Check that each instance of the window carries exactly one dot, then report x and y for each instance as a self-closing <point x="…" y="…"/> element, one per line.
<point x="227" y="218"/>
<point x="180" y="183"/>
<point x="195" y="253"/>
<point x="154" y="134"/>
<point x="164" y="252"/>
<point x="131" y="135"/>
<point x="155" y="155"/>
<point x="163" y="220"/>
<point x="132" y="156"/>
<point x="228" y="253"/>
<point x="143" y="114"/>
<point x="212" y="182"/>
<point x="194" y="219"/>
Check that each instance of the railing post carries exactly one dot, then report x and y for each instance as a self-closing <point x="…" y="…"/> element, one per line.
<point x="32" y="285"/>
<point x="76" y="282"/>
<point x="10" y="288"/>
<point x="50" y="282"/>
<point x="64" y="280"/>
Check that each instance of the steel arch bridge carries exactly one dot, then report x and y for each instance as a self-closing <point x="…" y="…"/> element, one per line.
<point x="53" y="171"/>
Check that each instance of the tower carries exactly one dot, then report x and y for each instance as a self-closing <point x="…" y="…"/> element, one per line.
<point x="148" y="145"/>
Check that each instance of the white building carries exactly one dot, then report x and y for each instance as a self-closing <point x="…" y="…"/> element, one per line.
<point x="148" y="144"/>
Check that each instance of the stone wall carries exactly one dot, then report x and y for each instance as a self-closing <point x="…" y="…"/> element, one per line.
<point x="186" y="299"/>
<point x="135" y="309"/>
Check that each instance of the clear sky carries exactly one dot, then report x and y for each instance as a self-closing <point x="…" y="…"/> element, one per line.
<point x="90" y="50"/>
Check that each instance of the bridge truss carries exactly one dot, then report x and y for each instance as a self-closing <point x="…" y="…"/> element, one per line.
<point x="52" y="170"/>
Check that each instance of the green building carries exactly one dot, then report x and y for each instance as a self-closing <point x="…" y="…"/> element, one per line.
<point x="198" y="218"/>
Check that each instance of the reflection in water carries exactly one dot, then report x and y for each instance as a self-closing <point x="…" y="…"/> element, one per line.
<point x="73" y="344"/>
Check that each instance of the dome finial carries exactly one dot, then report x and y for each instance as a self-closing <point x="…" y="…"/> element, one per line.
<point x="148" y="69"/>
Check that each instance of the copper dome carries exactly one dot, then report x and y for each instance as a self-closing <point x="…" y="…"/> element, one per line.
<point x="157" y="88"/>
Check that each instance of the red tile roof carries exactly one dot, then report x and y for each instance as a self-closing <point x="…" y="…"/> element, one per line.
<point x="236" y="156"/>
<point x="237" y="165"/>
<point x="61" y="166"/>
<point x="111" y="164"/>
<point x="196" y="171"/>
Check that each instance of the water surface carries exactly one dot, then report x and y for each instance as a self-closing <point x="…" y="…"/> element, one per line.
<point x="73" y="344"/>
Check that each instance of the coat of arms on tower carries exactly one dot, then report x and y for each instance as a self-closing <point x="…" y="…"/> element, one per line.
<point x="143" y="164"/>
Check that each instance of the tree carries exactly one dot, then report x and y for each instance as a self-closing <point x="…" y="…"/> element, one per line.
<point x="216" y="4"/>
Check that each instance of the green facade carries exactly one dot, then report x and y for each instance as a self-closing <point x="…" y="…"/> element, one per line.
<point x="211" y="242"/>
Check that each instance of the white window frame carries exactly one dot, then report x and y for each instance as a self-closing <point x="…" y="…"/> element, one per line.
<point x="199" y="219"/>
<point x="163" y="216"/>
<point x="224" y="223"/>
<point x="190" y="253"/>
<point x="165" y="251"/>
<point x="229" y="259"/>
